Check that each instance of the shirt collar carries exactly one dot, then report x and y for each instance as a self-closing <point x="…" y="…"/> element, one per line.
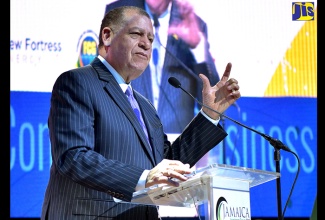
<point x="116" y="75"/>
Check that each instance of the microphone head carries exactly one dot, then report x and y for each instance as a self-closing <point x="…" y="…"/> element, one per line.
<point x="174" y="82"/>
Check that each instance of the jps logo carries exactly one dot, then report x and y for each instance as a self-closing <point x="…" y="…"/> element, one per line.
<point x="302" y="11"/>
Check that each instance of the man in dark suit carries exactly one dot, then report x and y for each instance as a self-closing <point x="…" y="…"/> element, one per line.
<point x="184" y="53"/>
<point x="101" y="154"/>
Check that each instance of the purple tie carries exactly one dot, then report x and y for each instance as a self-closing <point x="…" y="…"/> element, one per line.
<point x="136" y="110"/>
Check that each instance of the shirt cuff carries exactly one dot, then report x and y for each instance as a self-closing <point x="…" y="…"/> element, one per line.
<point x="215" y="122"/>
<point x="199" y="50"/>
<point x="142" y="181"/>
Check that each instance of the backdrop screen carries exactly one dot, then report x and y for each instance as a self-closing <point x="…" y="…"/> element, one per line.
<point x="271" y="45"/>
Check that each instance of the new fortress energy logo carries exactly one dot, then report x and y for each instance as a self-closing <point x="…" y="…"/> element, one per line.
<point x="302" y="11"/>
<point x="87" y="48"/>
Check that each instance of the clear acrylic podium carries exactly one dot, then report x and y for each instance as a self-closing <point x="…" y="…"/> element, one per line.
<point x="223" y="189"/>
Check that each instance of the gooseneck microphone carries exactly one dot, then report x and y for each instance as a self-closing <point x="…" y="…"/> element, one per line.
<point x="277" y="144"/>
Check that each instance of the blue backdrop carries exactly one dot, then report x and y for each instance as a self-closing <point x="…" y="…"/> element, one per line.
<point x="291" y="120"/>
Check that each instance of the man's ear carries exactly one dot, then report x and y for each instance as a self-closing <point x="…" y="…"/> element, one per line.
<point x="107" y="36"/>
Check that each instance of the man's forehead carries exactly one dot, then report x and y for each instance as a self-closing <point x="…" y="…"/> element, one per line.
<point x="134" y="16"/>
<point x="139" y="21"/>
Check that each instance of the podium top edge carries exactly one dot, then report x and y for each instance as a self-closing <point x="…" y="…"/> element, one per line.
<point x="232" y="167"/>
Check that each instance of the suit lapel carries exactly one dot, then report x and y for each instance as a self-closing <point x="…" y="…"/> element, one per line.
<point x="116" y="93"/>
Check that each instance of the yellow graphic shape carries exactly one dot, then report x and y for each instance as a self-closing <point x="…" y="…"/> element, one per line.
<point x="296" y="74"/>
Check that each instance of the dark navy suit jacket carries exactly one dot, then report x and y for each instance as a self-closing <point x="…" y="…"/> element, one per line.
<point x="175" y="108"/>
<point x="99" y="149"/>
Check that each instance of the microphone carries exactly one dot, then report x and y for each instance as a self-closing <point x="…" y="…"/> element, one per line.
<point x="277" y="144"/>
